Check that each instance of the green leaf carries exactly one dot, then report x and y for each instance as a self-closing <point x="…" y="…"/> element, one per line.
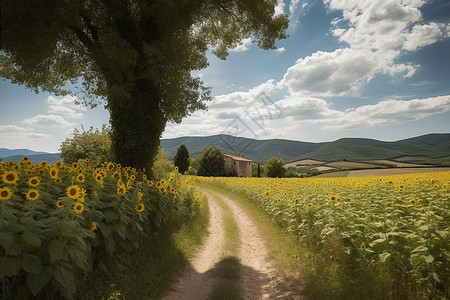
<point x="80" y="259"/>
<point x="32" y="264"/>
<point x="32" y="239"/>
<point x="424" y="227"/>
<point x="377" y="241"/>
<point x="64" y="275"/>
<point x="436" y="277"/>
<point x="56" y="250"/>
<point x="6" y="239"/>
<point x="420" y="249"/>
<point x="428" y="258"/>
<point x="383" y="256"/>
<point x="37" y="281"/>
<point x="110" y="246"/>
<point x="10" y="266"/>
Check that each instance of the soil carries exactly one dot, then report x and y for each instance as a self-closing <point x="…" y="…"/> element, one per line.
<point x="258" y="278"/>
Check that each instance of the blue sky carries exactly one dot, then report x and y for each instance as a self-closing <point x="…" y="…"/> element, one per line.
<point x="355" y="68"/>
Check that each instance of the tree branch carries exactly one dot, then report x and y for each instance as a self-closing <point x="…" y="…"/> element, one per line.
<point x="83" y="37"/>
<point x="90" y="27"/>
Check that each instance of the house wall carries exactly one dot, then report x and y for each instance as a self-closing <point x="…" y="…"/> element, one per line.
<point x="241" y="168"/>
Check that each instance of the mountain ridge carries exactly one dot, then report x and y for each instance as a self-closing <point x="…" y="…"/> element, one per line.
<point x="433" y="145"/>
<point x="430" y="145"/>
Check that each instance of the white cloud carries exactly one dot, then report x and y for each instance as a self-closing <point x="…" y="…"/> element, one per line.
<point x="13" y="128"/>
<point x="389" y="112"/>
<point x="279" y="9"/>
<point x="281" y="50"/>
<point x="243" y="46"/>
<point x="330" y="73"/>
<point x="66" y="106"/>
<point x="65" y="111"/>
<point x="66" y="101"/>
<point x="422" y="35"/>
<point x="376" y="32"/>
<point x="48" y="120"/>
<point x="386" y="112"/>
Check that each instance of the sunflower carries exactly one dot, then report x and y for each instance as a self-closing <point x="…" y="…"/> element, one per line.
<point x="53" y="173"/>
<point x="79" y="207"/>
<point x="32" y="194"/>
<point x="59" y="204"/>
<point x="129" y="184"/>
<point x="5" y="193"/>
<point x="58" y="180"/>
<point x="140" y="207"/>
<point x="81" y="195"/>
<point x="362" y="246"/>
<point x="99" y="179"/>
<point x="110" y="166"/>
<point x="162" y="189"/>
<point x="43" y="164"/>
<point x="80" y="177"/>
<point x="333" y="198"/>
<point x="73" y="191"/>
<point x="75" y="165"/>
<point x="150" y="183"/>
<point x="139" y="195"/>
<point x="93" y="226"/>
<point x="121" y="189"/>
<point x="10" y="177"/>
<point x="34" y="181"/>
<point x="310" y="205"/>
<point x="412" y="201"/>
<point x="26" y="159"/>
<point x="267" y="193"/>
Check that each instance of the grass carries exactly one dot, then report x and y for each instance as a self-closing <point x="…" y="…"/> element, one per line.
<point x="227" y="270"/>
<point x="283" y="250"/>
<point x="158" y="262"/>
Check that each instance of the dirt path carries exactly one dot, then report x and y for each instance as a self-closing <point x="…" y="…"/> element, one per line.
<point x="258" y="279"/>
<point x="198" y="279"/>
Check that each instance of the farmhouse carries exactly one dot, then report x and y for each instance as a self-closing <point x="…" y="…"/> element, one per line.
<point x="238" y="165"/>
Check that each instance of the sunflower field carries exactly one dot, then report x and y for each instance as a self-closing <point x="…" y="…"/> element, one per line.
<point x="374" y="237"/>
<point x="59" y="222"/>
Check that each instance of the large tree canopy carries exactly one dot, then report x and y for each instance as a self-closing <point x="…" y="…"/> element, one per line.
<point x="137" y="55"/>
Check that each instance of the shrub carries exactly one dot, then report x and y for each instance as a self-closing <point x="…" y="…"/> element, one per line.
<point x="275" y="168"/>
<point x="92" y="144"/>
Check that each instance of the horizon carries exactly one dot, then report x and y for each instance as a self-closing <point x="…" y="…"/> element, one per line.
<point x="331" y="141"/>
<point x="353" y="69"/>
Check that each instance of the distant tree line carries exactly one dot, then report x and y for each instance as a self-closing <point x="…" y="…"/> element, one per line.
<point x="95" y="145"/>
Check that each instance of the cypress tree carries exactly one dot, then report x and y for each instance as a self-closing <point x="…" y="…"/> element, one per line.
<point x="181" y="159"/>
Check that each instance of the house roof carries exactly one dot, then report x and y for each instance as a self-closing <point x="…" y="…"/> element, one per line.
<point x="237" y="158"/>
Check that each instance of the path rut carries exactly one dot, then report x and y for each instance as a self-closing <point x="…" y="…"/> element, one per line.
<point x="258" y="278"/>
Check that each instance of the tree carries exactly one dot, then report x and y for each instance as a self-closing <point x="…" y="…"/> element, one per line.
<point x="275" y="167"/>
<point x="162" y="165"/>
<point x="181" y="159"/>
<point x="93" y="144"/>
<point x="138" y="56"/>
<point x="211" y="162"/>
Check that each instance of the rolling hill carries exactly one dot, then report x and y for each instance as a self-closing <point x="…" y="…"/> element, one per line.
<point x="426" y="146"/>
<point x="430" y="145"/>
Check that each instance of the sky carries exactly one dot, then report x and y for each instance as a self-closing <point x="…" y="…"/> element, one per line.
<point x="375" y="69"/>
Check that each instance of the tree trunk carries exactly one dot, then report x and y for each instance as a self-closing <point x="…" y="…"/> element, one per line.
<point x="137" y="124"/>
